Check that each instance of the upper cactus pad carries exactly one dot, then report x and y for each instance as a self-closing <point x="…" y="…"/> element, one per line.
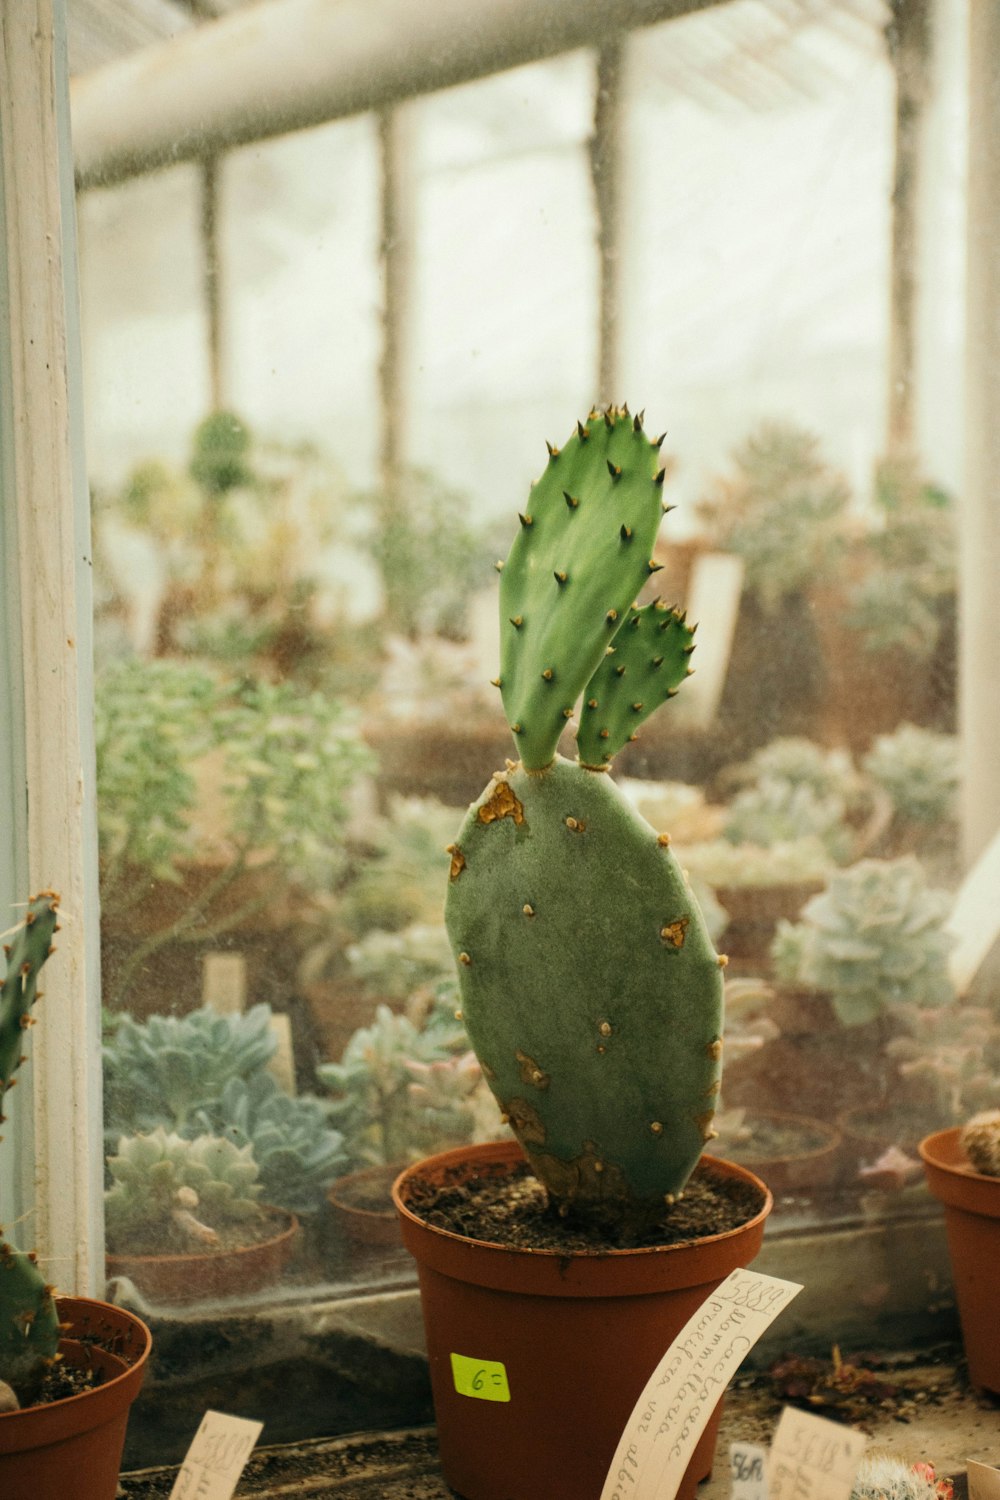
<point x="582" y="555"/>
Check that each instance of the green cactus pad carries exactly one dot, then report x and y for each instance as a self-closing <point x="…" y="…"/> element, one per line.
<point x="590" y="989"/>
<point x="575" y="568"/>
<point x="29" y="1322"/>
<point x="647" y="663"/>
<point x="31" y="946"/>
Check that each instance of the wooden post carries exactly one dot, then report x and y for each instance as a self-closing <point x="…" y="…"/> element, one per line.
<point x="607" y="168"/>
<point x="979" y="515"/>
<point x="212" y="279"/>
<point x="909" y="38"/>
<point x="396" y="254"/>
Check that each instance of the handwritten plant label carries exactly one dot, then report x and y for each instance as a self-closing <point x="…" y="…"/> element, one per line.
<point x="486" y="1379"/>
<point x="812" y="1458"/>
<point x="216" y="1458"/>
<point x="984" y="1481"/>
<point x="748" y="1470"/>
<point x="686" y="1386"/>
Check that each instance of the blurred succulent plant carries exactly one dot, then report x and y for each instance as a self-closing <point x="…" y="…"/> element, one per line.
<point x="911" y="556"/>
<point x="161" y="1071"/>
<point x="719" y="863"/>
<point x="297" y="1151"/>
<point x="371" y="1085"/>
<point x="801" y="762"/>
<point x="398" y="882"/>
<point x="781" y="509"/>
<point x="919" y="770"/>
<point x="171" y="1194"/>
<point x="776" y="811"/>
<point x="949" y="1061"/>
<point x="399" y="966"/>
<point x="875" y="939"/>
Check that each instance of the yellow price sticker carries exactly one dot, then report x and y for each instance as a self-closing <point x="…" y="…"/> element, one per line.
<point x="486" y="1379"/>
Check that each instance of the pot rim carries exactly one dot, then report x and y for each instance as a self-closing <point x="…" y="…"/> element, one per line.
<point x="549" y="1270"/>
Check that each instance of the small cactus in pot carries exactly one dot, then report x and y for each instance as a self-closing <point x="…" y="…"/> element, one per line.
<point x="29" y="1322"/>
<point x="590" y="989"/>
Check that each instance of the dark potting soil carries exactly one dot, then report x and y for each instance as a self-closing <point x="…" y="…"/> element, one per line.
<point x="513" y="1209"/>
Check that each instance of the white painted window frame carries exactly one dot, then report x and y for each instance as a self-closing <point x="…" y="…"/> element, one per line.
<point x="47" y="757"/>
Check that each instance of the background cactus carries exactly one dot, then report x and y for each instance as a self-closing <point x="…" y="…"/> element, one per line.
<point x="590" y="989"/>
<point x="169" y="1194"/>
<point x="29" y="1322"/>
<point x="980" y="1140"/>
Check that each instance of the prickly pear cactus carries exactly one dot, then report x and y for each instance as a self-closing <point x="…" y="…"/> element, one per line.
<point x="29" y="1323"/>
<point x="590" y="989"/>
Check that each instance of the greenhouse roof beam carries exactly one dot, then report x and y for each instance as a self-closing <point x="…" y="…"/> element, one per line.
<point x="285" y="65"/>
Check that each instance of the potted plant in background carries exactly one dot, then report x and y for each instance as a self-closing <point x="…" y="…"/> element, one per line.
<point x="70" y="1367"/>
<point x="173" y="1083"/>
<point x="962" y="1168"/>
<point x="593" y="999"/>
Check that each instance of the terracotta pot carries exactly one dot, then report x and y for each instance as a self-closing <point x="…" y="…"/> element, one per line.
<point x="363" y="1225"/>
<point x="972" y="1222"/>
<point x="578" y="1336"/>
<point x="73" y="1448"/>
<point x="195" y="1277"/>
<point x="813" y="1168"/>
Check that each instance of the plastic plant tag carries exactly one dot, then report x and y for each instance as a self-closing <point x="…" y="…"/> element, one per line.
<point x="812" y="1458"/>
<point x="216" y="1458"/>
<point x="748" y="1471"/>
<point x="984" y="1481"/>
<point x="687" y="1385"/>
<point x="485" y="1379"/>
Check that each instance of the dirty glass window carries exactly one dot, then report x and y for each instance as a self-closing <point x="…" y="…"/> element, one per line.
<point x="321" y="371"/>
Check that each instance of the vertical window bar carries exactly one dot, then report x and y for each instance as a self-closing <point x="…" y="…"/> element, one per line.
<point x="48" y="605"/>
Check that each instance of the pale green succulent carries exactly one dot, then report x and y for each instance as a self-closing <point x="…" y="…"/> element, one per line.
<point x="296" y="1149"/>
<point x="919" y="770"/>
<point x="776" y="811"/>
<point x="396" y="965"/>
<point x="801" y="762"/>
<point x="169" y="1193"/>
<point x="875" y="939"/>
<point x="719" y="863"/>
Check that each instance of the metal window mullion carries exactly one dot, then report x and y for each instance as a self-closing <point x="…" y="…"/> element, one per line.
<point x="45" y="501"/>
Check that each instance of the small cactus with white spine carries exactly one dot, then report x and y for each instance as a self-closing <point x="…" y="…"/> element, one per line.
<point x="980" y="1140"/>
<point x="29" y="1322"/>
<point x="590" y="989"/>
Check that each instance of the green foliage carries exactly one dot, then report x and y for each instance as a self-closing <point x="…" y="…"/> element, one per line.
<point x="919" y="769"/>
<point x="163" y="1070"/>
<point x="801" y="762"/>
<point x="431" y="556"/>
<point x="874" y="939"/>
<point x="169" y="1193"/>
<point x="796" y="861"/>
<point x="590" y="989"/>
<point x="781" y="509"/>
<point x="948" y="1061"/>
<point x="220" y="453"/>
<point x="29" y="1322"/>
<point x="398" y="882"/>
<point x="297" y="1151"/>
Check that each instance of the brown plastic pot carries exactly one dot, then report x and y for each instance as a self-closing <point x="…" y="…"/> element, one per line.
<point x="578" y="1335"/>
<point x="972" y="1223"/>
<point x="363" y="1226"/>
<point x="812" y="1168"/>
<point x="73" y="1448"/>
<point x="174" y="1279"/>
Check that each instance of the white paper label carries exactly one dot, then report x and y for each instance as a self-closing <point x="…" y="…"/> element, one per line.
<point x="813" y="1459"/>
<point x="686" y="1386"/>
<point x="984" y="1481"/>
<point x="216" y="1458"/>
<point x="748" y="1470"/>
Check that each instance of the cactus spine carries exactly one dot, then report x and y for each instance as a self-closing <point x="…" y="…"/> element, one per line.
<point x="29" y="1322"/>
<point x="590" y="989"/>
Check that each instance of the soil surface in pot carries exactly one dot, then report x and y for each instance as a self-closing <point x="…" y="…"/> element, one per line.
<point x="513" y="1209"/>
